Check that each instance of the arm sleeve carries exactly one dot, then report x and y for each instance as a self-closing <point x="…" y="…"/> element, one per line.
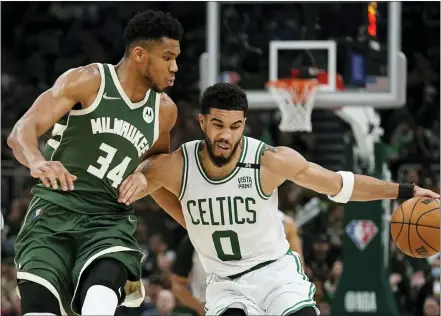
<point x="184" y="258"/>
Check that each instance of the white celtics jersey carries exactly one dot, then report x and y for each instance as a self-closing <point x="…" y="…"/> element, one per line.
<point x="198" y="276"/>
<point x="232" y="224"/>
<point x="282" y="216"/>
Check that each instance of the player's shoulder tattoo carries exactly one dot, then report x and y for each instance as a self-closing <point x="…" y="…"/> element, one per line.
<point x="268" y="148"/>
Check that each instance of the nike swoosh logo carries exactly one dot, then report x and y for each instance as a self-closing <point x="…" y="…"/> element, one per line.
<point x="105" y="96"/>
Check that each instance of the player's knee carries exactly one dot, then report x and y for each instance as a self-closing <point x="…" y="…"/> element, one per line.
<point x="37" y="300"/>
<point x="105" y="272"/>
<point x="307" y="311"/>
<point x="233" y="312"/>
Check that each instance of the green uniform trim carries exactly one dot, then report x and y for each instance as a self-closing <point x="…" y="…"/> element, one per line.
<point x="98" y="98"/>
<point x="300" y="305"/>
<point x="184" y="177"/>
<point x="119" y="88"/>
<point x="101" y="145"/>
<point x="307" y="302"/>
<point x="257" y="173"/>
<point x="298" y="263"/>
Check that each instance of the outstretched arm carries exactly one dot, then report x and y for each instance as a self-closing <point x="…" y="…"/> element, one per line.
<point x="160" y="177"/>
<point x="169" y="203"/>
<point x="339" y="186"/>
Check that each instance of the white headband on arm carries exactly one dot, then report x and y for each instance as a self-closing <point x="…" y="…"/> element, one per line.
<point x="346" y="191"/>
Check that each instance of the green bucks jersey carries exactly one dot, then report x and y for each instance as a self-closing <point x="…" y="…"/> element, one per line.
<point x="102" y="145"/>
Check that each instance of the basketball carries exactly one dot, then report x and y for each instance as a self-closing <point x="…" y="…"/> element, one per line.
<point x="415" y="225"/>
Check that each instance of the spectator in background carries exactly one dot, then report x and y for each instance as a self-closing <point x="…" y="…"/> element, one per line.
<point x="421" y="288"/>
<point x="10" y="300"/>
<point x="426" y="285"/>
<point x="153" y="286"/>
<point x="15" y="301"/>
<point x="335" y="228"/>
<point x="158" y="257"/>
<point x="142" y="236"/>
<point x="55" y="32"/>
<point x="292" y="234"/>
<point x="331" y="283"/>
<point x="164" y="306"/>
<point x="7" y="309"/>
<point x="402" y="136"/>
<point x="431" y="307"/>
<point x="18" y="211"/>
<point x="324" y="308"/>
<point x="319" y="291"/>
<point x="8" y="272"/>
<point x="188" y="278"/>
<point x="318" y="261"/>
<point x="400" y="291"/>
<point x="399" y="279"/>
<point x="436" y="277"/>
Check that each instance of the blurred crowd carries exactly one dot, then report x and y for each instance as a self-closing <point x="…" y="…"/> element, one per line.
<point x="46" y="38"/>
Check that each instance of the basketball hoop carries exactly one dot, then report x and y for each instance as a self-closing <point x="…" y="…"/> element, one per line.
<point x="295" y="98"/>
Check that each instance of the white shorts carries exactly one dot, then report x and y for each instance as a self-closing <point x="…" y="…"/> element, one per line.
<point x="279" y="288"/>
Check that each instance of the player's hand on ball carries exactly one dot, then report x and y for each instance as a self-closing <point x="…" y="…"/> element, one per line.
<point x="420" y="192"/>
<point x="52" y="172"/>
<point x="132" y="188"/>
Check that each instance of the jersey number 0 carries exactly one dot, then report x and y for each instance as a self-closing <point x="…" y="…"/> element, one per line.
<point x="234" y="241"/>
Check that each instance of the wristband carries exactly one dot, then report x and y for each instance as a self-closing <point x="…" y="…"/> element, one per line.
<point x="346" y="191"/>
<point x="405" y="191"/>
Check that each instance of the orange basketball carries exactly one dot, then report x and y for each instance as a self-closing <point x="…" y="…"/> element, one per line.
<point x="415" y="227"/>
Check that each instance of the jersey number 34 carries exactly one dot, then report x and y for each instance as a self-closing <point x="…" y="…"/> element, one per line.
<point x="116" y="175"/>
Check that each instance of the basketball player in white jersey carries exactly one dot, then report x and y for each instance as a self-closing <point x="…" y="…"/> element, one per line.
<point x="225" y="185"/>
<point x="188" y="275"/>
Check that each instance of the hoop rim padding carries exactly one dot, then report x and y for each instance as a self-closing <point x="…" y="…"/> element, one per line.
<point x="289" y="82"/>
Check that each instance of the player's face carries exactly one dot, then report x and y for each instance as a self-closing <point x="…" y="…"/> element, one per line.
<point x="159" y="66"/>
<point x="222" y="131"/>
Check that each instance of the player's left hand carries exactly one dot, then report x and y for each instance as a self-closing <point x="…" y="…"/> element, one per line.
<point x="420" y="192"/>
<point x="132" y="188"/>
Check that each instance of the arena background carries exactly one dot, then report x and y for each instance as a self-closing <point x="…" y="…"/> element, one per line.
<point x="40" y="40"/>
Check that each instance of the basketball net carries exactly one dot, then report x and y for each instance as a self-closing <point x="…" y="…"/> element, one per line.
<point x="295" y="98"/>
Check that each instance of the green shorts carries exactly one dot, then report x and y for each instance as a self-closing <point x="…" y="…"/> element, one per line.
<point x="55" y="246"/>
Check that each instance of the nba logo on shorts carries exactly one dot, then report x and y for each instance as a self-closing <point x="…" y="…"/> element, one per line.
<point x="361" y="232"/>
<point x="38" y="212"/>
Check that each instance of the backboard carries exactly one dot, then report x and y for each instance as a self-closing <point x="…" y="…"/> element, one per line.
<point x="251" y="43"/>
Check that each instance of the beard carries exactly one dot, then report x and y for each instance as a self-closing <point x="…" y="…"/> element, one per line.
<point x="152" y="84"/>
<point x="219" y="161"/>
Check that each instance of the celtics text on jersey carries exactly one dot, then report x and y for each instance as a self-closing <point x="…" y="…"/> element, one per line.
<point x="231" y="222"/>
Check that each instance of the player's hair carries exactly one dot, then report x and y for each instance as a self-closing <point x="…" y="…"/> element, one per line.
<point x="224" y="96"/>
<point x="152" y="25"/>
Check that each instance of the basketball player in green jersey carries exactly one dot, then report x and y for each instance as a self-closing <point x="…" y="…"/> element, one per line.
<point x="227" y="186"/>
<point x="75" y="252"/>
